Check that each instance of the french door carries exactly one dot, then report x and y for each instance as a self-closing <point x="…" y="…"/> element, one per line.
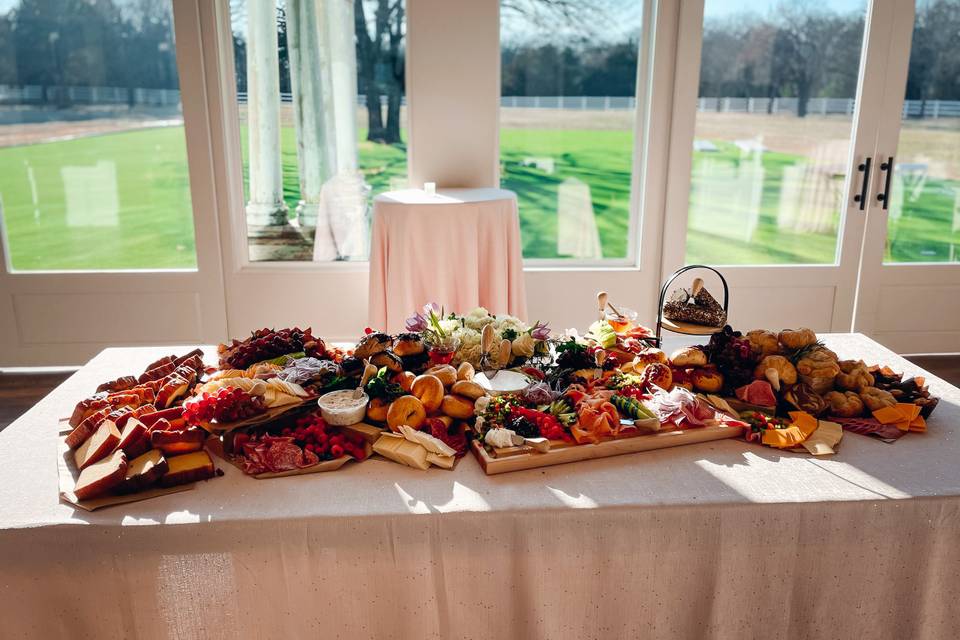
<point x="909" y="294"/>
<point x="107" y="210"/>
<point x="780" y="187"/>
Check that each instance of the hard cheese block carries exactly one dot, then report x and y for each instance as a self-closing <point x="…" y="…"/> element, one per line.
<point x="98" y="446"/>
<point x="188" y="468"/>
<point x="399" y="449"/>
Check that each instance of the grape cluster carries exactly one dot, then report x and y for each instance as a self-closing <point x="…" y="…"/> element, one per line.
<point x="265" y="344"/>
<point x="228" y="404"/>
<point x="733" y="356"/>
<point x="312" y="433"/>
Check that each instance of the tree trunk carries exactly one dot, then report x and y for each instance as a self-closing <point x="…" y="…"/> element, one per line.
<point x="375" y="131"/>
<point x="391" y="133"/>
<point x="803" y="97"/>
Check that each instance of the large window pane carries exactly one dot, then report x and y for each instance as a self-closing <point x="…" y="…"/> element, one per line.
<point x="322" y="111"/>
<point x="773" y="126"/>
<point x="93" y="164"/>
<point x="924" y="208"/>
<point x="569" y="81"/>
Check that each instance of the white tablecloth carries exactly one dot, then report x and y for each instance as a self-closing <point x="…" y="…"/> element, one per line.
<point x="722" y="540"/>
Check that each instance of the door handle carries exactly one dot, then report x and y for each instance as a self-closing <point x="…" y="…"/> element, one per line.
<point x="864" y="168"/>
<point x="885" y="196"/>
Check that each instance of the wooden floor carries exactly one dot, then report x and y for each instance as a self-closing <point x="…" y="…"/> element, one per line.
<point x="20" y="391"/>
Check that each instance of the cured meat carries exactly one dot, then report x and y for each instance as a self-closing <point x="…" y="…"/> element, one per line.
<point x="758" y="392"/>
<point x="273" y="454"/>
<point x="594" y="423"/>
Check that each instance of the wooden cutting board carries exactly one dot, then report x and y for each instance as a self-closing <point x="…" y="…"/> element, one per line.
<point x="521" y="458"/>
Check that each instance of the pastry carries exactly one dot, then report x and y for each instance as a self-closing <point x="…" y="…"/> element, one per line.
<point x="456" y="406"/>
<point x="649" y="355"/>
<point x="408" y="344"/>
<point x="429" y="390"/>
<point x="853" y="376"/>
<point x="794" y="339"/>
<point x="371" y="344"/>
<point x="406" y="410"/>
<point x="468" y="388"/>
<point x="818" y="368"/>
<point x="844" y="404"/>
<point x="465" y="371"/>
<point x="352" y="367"/>
<point x="803" y="397"/>
<point x="777" y="370"/>
<point x="695" y="306"/>
<point x="657" y="375"/>
<point x="763" y="343"/>
<point x="387" y="359"/>
<point x="446" y="373"/>
<point x="707" y="380"/>
<point x="876" y="399"/>
<point x="689" y="357"/>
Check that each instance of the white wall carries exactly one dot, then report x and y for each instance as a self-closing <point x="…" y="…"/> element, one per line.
<point x="453" y="90"/>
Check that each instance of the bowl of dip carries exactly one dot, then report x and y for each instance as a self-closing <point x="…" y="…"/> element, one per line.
<point x="340" y="408"/>
<point x="504" y="382"/>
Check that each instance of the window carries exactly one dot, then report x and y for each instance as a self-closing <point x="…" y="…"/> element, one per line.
<point x="568" y="105"/>
<point x="924" y="209"/>
<point x="93" y="164"/>
<point x="773" y="128"/>
<point x="320" y="85"/>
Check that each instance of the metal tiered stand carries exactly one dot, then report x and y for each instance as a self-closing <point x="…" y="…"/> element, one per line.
<point x="687" y="328"/>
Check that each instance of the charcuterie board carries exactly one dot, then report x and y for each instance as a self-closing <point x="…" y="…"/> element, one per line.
<point x="521" y="458"/>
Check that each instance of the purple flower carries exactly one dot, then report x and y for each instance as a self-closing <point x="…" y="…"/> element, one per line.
<point x="432" y="307"/>
<point x="417" y="323"/>
<point x="540" y="331"/>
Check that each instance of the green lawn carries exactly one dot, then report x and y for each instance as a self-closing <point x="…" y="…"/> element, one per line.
<point x="148" y="223"/>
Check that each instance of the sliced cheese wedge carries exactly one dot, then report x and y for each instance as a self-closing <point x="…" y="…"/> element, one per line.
<point x="98" y="446"/>
<point x="101" y="477"/>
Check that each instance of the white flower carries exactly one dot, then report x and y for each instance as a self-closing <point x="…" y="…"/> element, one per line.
<point x="477" y="319"/>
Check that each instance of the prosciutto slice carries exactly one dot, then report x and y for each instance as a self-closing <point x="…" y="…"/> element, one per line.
<point x="758" y="392"/>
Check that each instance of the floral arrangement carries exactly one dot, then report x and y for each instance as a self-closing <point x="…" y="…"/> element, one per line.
<point x="525" y="340"/>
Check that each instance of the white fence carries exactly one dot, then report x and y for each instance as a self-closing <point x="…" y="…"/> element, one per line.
<point x="36" y="94"/>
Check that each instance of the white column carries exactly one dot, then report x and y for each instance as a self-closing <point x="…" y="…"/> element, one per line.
<point x="343" y="78"/>
<point x="266" y="206"/>
<point x="309" y="79"/>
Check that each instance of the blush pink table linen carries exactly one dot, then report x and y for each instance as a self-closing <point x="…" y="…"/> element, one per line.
<point x="459" y="248"/>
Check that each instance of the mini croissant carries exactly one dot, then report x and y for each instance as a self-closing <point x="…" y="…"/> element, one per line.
<point x="777" y="370"/>
<point x="854" y="376"/>
<point x="844" y="404"/>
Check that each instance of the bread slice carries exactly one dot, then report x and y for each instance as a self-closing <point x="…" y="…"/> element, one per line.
<point x="188" y="468"/>
<point x="144" y="472"/>
<point x="98" y="446"/>
<point x="101" y="477"/>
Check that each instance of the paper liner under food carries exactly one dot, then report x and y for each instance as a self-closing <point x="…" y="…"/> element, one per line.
<point x="67" y="474"/>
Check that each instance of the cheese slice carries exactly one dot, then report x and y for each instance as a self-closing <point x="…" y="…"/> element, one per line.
<point x="782" y="438"/>
<point x="427" y="441"/>
<point x="824" y="439"/>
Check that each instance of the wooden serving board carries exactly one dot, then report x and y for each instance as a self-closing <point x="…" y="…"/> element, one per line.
<point x="520" y="458"/>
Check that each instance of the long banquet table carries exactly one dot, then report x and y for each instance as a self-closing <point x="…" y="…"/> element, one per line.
<point x="723" y="539"/>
